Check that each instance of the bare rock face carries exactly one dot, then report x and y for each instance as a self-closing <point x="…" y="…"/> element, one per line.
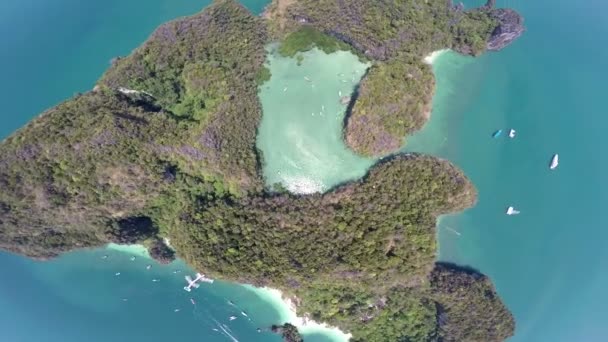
<point x="510" y="28"/>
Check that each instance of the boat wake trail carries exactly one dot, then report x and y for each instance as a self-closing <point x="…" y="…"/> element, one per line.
<point x="226" y="331"/>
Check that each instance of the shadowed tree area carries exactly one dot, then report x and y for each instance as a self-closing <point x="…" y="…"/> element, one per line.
<point x="468" y="307"/>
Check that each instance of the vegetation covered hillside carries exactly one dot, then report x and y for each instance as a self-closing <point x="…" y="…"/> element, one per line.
<point x="378" y="229"/>
<point x="205" y="70"/>
<point x="180" y="113"/>
<point x="395" y="98"/>
<point x="164" y="147"/>
<point x="468" y="308"/>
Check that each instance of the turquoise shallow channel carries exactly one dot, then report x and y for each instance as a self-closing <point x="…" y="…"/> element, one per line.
<point x="547" y="263"/>
<point x="301" y="131"/>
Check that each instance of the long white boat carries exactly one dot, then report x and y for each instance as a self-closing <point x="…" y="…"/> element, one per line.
<point x="554" y="162"/>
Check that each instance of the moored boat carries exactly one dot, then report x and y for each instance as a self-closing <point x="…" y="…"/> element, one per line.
<point x="554" y="162"/>
<point x="512" y="211"/>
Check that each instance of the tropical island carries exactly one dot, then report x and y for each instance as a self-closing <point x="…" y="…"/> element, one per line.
<point x="163" y="149"/>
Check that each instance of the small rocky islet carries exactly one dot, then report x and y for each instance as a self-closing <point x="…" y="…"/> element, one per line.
<point x="164" y="148"/>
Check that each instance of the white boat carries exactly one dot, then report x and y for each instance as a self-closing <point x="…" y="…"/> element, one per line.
<point x="554" y="162"/>
<point x="232" y="318"/>
<point x="512" y="211"/>
<point x="512" y="133"/>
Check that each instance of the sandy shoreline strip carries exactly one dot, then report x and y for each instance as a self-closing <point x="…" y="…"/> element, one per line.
<point x="430" y="59"/>
<point x="135" y="250"/>
<point x="284" y="306"/>
<point x="287" y="311"/>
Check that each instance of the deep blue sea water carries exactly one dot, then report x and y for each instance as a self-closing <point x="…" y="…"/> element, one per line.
<point x="547" y="263"/>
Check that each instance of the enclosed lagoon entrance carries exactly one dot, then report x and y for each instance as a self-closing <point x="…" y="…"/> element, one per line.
<point x="300" y="135"/>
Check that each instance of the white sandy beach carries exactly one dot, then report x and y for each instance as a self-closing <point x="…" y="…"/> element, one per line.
<point x="284" y="306"/>
<point x="430" y="59"/>
<point x="136" y="250"/>
<point x="288" y="314"/>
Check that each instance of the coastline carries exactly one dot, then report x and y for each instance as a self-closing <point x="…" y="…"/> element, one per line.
<point x="135" y="250"/>
<point x="432" y="57"/>
<point x="285" y="307"/>
<point x="287" y="311"/>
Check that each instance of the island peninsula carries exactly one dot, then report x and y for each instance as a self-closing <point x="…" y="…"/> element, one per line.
<point x="163" y="149"/>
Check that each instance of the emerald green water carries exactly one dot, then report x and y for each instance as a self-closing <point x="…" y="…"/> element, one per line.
<point x="300" y="135"/>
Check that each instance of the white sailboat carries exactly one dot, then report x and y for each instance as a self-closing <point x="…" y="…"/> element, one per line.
<point x="554" y="162"/>
<point x="512" y="133"/>
<point x="512" y="211"/>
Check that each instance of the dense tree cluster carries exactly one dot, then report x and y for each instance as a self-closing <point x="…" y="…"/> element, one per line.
<point x="76" y="171"/>
<point x="205" y="70"/>
<point x="468" y="307"/>
<point x="164" y="147"/>
<point x="380" y="228"/>
<point x="373" y="312"/>
<point x="289" y="332"/>
<point x="307" y="38"/>
<point x="393" y="100"/>
<point x="385" y="29"/>
<point x="114" y="152"/>
<point x="395" y="96"/>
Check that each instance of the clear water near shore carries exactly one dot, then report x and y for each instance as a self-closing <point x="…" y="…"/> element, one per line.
<point x="300" y="135"/>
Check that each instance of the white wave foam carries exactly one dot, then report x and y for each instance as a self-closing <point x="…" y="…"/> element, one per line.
<point x="287" y="311"/>
<point x="302" y="185"/>
<point x="432" y="57"/>
<point x="136" y="250"/>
